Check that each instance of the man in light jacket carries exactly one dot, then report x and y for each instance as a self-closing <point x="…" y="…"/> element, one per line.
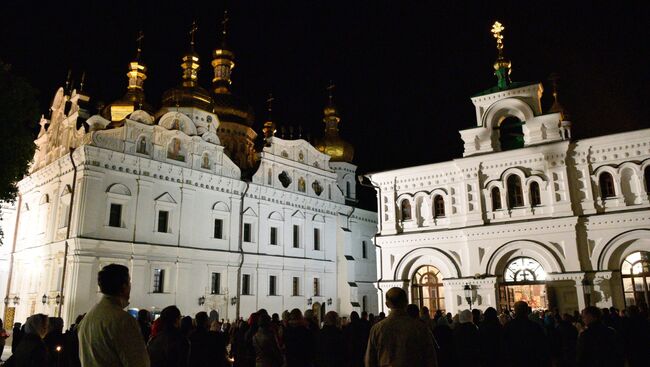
<point x="108" y="335"/>
<point x="400" y="340"/>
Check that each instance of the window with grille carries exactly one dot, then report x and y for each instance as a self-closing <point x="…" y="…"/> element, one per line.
<point x="295" y="289"/>
<point x="158" y="280"/>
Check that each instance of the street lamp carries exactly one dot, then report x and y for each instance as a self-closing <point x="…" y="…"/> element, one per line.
<point x="59" y="299"/>
<point x="467" y="289"/>
<point x="233" y="301"/>
<point x="16" y="300"/>
<point x="6" y="300"/>
<point x="44" y="299"/>
<point x="309" y="301"/>
<point x="201" y="300"/>
<point x="329" y="301"/>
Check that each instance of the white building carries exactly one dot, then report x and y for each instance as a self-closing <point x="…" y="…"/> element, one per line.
<point x="525" y="214"/>
<point x="158" y="192"/>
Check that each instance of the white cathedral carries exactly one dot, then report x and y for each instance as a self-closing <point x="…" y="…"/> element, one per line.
<point x="181" y="195"/>
<point x="526" y="214"/>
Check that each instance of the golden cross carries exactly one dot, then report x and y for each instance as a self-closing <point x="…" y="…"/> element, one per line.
<point x="192" y="32"/>
<point x="138" y="40"/>
<point x="497" y="28"/>
<point x="269" y="102"/>
<point x="330" y="90"/>
<point x="224" y="22"/>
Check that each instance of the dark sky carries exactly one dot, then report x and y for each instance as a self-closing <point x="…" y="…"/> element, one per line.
<point x="404" y="70"/>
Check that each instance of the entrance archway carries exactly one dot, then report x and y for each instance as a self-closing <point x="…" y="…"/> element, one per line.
<point x="523" y="280"/>
<point x="427" y="289"/>
<point x="635" y="274"/>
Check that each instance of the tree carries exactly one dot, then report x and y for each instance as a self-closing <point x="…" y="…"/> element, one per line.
<point x="18" y="117"/>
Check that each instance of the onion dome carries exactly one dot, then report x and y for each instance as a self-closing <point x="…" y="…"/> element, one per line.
<point x="332" y="144"/>
<point x="227" y="106"/>
<point x="189" y="93"/>
<point x="134" y="99"/>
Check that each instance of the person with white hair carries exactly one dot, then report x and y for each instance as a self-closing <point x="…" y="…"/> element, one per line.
<point x="32" y="350"/>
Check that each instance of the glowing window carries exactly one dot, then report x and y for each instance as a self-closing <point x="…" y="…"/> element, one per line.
<point x="524" y="269"/>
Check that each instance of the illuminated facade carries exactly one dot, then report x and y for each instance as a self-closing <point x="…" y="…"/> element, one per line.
<point x="179" y="196"/>
<point x="525" y="214"/>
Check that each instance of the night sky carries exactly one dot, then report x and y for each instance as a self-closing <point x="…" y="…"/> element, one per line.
<point x="404" y="71"/>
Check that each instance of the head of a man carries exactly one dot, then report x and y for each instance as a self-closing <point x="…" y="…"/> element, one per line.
<point x="114" y="281"/>
<point x="521" y="309"/>
<point x="396" y="299"/>
<point x="37" y="324"/>
<point x="591" y="314"/>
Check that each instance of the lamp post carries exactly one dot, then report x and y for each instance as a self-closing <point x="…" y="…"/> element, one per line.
<point x="201" y="300"/>
<point x="16" y="300"/>
<point x="467" y="289"/>
<point x="329" y="301"/>
<point x="309" y="301"/>
<point x="44" y="299"/>
<point x="233" y="301"/>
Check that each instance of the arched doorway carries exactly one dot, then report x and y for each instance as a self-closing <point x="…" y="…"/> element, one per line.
<point x="427" y="289"/>
<point x="635" y="273"/>
<point x="524" y="279"/>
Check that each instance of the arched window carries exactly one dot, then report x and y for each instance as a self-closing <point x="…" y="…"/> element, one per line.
<point x="535" y="197"/>
<point x="646" y="177"/>
<point x="511" y="135"/>
<point x="606" y="183"/>
<point x="524" y="270"/>
<point x="141" y="146"/>
<point x="438" y="206"/>
<point x="406" y="210"/>
<point x="635" y="273"/>
<point x="427" y="289"/>
<point x="515" y="195"/>
<point x="496" y="198"/>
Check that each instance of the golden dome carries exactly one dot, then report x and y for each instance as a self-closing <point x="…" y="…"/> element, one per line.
<point x="332" y="144"/>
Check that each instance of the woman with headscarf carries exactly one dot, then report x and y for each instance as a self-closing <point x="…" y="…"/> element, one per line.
<point x="466" y="341"/>
<point x="31" y="352"/>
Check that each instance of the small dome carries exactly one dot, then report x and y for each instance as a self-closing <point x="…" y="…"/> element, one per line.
<point x="338" y="149"/>
<point x="188" y="96"/>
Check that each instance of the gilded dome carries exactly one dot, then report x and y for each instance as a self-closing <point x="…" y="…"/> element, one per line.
<point x="188" y="96"/>
<point x="230" y="108"/>
<point x="332" y="144"/>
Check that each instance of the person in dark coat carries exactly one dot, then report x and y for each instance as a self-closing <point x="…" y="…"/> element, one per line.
<point x="445" y="338"/>
<point x="71" y="344"/>
<point x="265" y="343"/>
<point x="598" y="345"/>
<point x="31" y="352"/>
<point x="203" y="343"/>
<point x="54" y="340"/>
<point x="169" y="348"/>
<point x="356" y="340"/>
<point x="298" y="341"/>
<point x="331" y="345"/>
<point x="565" y="337"/>
<point x="17" y="333"/>
<point x="144" y="322"/>
<point x="524" y="341"/>
<point x="467" y="345"/>
<point x="636" y="332"/>
<point x="489" y="331"/>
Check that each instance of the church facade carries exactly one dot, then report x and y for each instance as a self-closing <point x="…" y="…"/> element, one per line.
<point x="526" y="214"/>
<point x="180" y="196"/>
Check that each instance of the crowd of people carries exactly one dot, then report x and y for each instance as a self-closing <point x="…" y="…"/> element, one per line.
<point x="109" y="336"/>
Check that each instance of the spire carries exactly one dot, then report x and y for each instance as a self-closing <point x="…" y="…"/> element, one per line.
<point x="83" y="80"/>
<point x="190" y="64"/>
<point x="332" y="144"/>
<point x="68" y="81"/>
<point x="556" y="106"/>
<point x="502" y="66"/>
<point x="223" y="61"/>
<point x="137" y="71"/>
<point x="269" y="126"/>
